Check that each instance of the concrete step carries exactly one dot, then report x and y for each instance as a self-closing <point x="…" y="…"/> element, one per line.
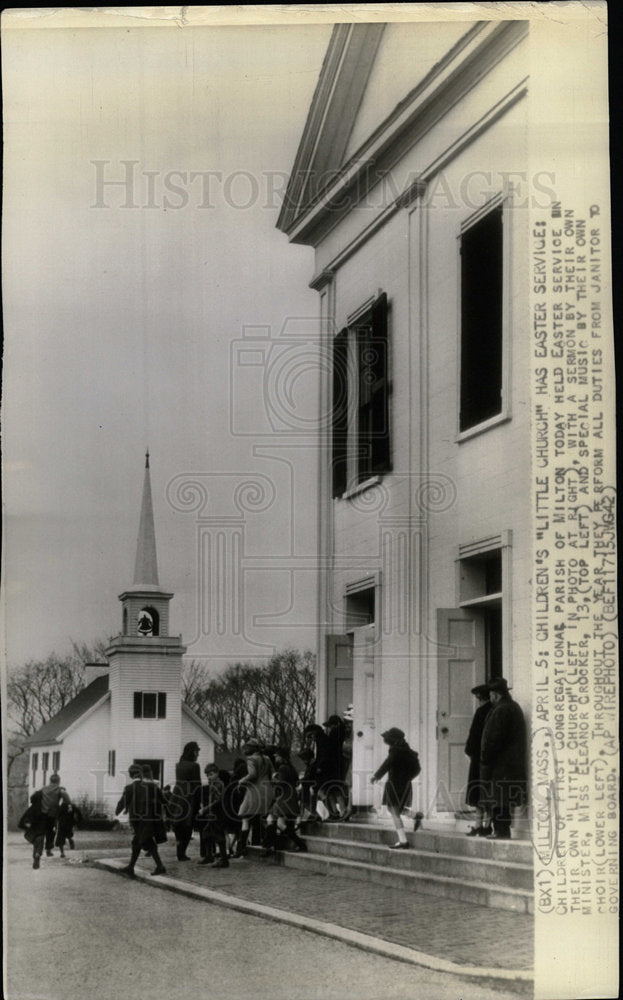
<point x="480" y="893"/>
<point x="508" y="874"/>
<point x="434" y="841"/>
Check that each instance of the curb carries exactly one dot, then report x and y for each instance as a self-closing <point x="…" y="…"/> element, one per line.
<point x="356" y="939"/>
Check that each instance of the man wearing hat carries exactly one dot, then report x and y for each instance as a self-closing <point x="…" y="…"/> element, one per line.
<point x="473" y="794"/>
<point x="503" y="758"/>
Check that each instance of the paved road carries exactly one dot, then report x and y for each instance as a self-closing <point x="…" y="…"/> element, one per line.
<point x="74" y="932"/>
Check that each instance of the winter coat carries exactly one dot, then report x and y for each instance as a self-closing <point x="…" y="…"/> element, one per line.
<point x="211" y="812"/>
<point x="397" y="766"/>
<point x="286" y="801"/>
<point x="327" y="767"/>
<point x="182" y="803"/>
<point x="503" y="754"/>
<point x="144" y="803"/>
<point x="257" y="785"/>
<point x="472" y="749"/>
<point x="335" y="752"/>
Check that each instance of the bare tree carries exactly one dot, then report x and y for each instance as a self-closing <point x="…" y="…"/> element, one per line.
<point x="272" y="702"/>
<point x="39" y="689"/>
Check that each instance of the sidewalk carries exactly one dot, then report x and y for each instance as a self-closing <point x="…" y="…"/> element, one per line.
<point x="452" y="936"/>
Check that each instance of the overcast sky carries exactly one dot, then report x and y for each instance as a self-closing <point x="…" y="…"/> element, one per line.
<point x="124" y="308"/>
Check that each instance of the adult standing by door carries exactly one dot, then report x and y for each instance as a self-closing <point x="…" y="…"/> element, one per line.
<point x="503" y="758"/>
<point x="474" y="792"/>
<point x="183" y="802"/>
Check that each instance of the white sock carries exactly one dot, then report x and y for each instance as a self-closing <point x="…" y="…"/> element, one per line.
<point x="402" y="837"/>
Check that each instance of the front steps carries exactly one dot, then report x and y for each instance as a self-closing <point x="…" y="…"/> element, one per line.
<point x="441" y="863"/>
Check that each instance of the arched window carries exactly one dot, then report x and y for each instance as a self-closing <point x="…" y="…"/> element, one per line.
<point x="148" y="622"/>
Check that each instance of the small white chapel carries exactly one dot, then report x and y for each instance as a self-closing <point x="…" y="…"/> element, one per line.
<point x="130" y="710"/>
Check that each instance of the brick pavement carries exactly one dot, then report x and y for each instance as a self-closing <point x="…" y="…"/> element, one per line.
<point x="449" y="930"/>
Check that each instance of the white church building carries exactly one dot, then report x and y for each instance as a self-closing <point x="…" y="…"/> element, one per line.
<point x="131" y="709"/>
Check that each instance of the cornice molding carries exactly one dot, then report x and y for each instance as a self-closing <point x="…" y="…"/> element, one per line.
<point x="477" y="53"/>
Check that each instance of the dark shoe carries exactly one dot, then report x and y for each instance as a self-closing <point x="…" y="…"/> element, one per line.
<point x="36" y="861"/>
<point x="205" y="861"/>
<point x="241" y="852"/>
<point x="300" y="848"/>
<point x="184" y="857"/>
<point x="485" y="831"/>
<point x="159" y="870"/>
<point x="62" y="853"/>
<point x="474" y="831"/>
<point x="399" y="847"/>
<point x="49" y="854"/>
<point x="129" y="871"/>
<point x="417" y="822"/>
<point x="220" y="863"/>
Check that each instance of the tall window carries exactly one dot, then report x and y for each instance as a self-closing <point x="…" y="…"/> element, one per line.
<point x="361" y="387"/>
<point x="112" y="761"/>
<point x="56" y="760"/>
<point x="34" y="762"/>
<point x="481" y="319"/>
<point x="150" y="704"/>
<point x="45" y="763"/>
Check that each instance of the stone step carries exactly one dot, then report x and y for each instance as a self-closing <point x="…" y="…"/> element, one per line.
<point x="434" y="841"/>
<point x="507" y="874"/>
<point x="479" y="893"/>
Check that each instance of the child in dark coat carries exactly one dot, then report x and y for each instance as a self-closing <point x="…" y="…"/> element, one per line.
<point x="68" y="817"/>
<point x="399" y="766"/>
<point x="211" y="819"/>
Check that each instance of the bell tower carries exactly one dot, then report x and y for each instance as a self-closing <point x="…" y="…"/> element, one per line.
<point x="145" y="605"/>
<point x="145" y="672"/>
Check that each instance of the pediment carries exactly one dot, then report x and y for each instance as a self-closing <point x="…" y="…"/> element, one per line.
<point x="332" y="116"/>
<point x="382" y="87"/>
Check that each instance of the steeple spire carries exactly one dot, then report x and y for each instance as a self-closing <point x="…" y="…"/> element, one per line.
<point x="146" y="565"/>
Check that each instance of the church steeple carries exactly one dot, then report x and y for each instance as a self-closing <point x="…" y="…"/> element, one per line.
<point x="145" y="603"/>
<point x="146" y="564"/>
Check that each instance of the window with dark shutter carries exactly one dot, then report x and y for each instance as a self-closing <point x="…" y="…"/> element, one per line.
<point x="378" y="369"/>
<point x="339" y="450"/>
<point x="481" y="319"/>
<point x="149" y="704"/>
<point x="361" y="387"/>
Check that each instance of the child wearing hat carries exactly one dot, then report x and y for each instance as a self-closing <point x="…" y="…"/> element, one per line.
<point x="401" y="766"/>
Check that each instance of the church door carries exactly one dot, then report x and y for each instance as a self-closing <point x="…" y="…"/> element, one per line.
<point x="461" y="666"/>
<point x="364" y="714"/>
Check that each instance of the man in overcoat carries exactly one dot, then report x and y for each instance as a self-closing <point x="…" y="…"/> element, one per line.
<point x="503" y="758"/>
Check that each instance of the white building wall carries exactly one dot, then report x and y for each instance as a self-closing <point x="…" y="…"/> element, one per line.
<point x="191" y="731"/>
<point x="145" y="665"/>
<point x="84" y="756"/>
<point x="405" y="258"/>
